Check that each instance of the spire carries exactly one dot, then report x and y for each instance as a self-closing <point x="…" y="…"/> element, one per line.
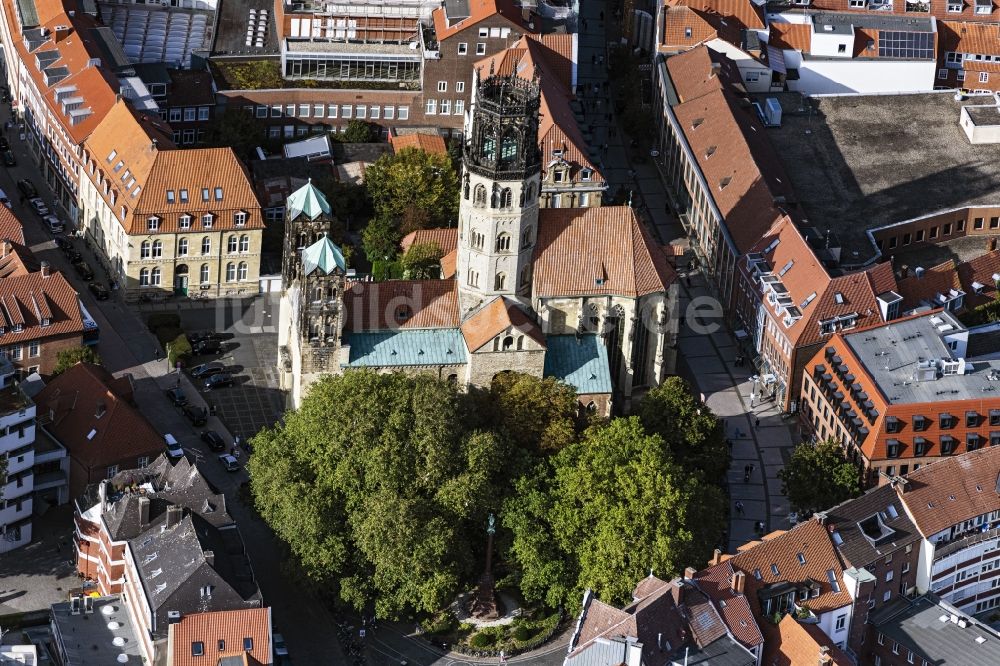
<point x="309" y="200"/>
<point x="324" y="255"/>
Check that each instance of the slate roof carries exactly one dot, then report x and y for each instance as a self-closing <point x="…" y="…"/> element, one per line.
<point x="594" y="251"/>
<point x="231" y="627"/>
<point x="406" y="347"/>
<point x="858" y="550"/>
<point x="307" y="200"/>
<point x="93" y="416"/>
<point x="917" y="625"/>
<point x="164" y="484"/>
<point x="498" y="315"/>
<point x="175" y="557"/>
<point x="580" y="361"/>
<point x="406" y="304"/>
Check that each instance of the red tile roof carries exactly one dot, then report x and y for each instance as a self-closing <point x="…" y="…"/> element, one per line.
<point x="797" y="36"/>
<point x="716" y="582"/>
<point x="93" y="416"/>
<point x="678" y="21"/>
<point x="792" y="643"/>
<point x="935" y="280"/>
<point x="25" y="299"/>
<point x="10" y="227"/>
<point x="429" y="143"/>
<point x="593" y="251"/>
<point x="693" y="75"/>
<point x="500" y="315"/>
<point x="952" y="490"/>
<point x="981" y="270"/>
<point x="729" y="17"/>
<point x="967" y="37"/>
<point x="479" y="10"/>
<point x="16" y="260"/>
<point x="374" y="306"/>
<point x="225" y="629"/>
<point x="445" y="239"/>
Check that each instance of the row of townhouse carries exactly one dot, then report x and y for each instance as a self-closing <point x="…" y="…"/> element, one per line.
<point x="75" y="96"/>
<point x="890" y="578"/>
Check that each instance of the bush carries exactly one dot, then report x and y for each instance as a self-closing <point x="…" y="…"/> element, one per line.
<point x="482" y="640"/>
<point x="442" y="623"/>
<point x="522" y="632"/>
<point x="163" y="320"/>
<point x="178" y="350"/>
<point x="67" y="358"/>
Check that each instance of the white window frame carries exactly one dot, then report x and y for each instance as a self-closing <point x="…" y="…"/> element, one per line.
<point x="481" y="48"/>
<point x="463" y="49"/>
<point x="460" y="86"/>
<point x="442" y="86"/>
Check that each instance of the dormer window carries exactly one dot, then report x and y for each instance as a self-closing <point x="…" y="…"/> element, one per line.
<point x="557" y="152"/>
<point x="184" y="222"/>
<point x="558" y="176"/>
<point x="46" y="321"/>
<point x="206" y="220"/>
<point x="152" y="223"/>
<point x="586" y="175"/>
<point x="240" y="219"/>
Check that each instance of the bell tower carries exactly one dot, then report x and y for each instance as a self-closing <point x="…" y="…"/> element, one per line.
<point x="498" y="214"/>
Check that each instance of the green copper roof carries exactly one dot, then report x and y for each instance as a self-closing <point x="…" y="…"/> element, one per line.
<point x="406" y="347"/>
<point x="324" y="255"/>
<point x="309" y="200"/>
<point x="581" y="362"/>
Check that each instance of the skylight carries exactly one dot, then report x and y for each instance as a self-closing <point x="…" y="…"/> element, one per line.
<point x="774" y="569"/>
<point x="832" y="577"/>
<point x="801" y="558"/>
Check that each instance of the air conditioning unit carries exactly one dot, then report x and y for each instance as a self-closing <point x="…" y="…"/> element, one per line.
<point x="173" y="617"/>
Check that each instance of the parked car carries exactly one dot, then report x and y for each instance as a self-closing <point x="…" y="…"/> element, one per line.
<point x="207" y="369"/>
<point x="214" y="440"/>
<point x="4" y="199"/>
<point x="218" y="381"/>
<point x="83" y="270"/>
<point x="99" y="291"/>
<point x="8" y="158"/>
<point x="197" y="415"/>
<point x="61" y="243"/>
<point x="54" y="224"/>
<point x="174" y="449"/>
<point x="4" y="143"/>
<point x="38" y="206"/>
<point x="229" y="462"/>
<point x="195" y="337"/>
<point x="177" y="397"/>
<point x="280" y="649"/>
<point x="27" y="188"/>
<point x="207" y="347"/>
<point x="73" y="256"/>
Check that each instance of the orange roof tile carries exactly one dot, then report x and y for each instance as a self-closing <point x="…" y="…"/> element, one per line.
<point x="684" y="28"/>
<point x="981" y="270"/>
<point x="693" y="75"/>
<point x="935" y="280"/>
<point x="449" y="265"/>
<point x="968" y="37"/>
<point x="375" y="306"/>
<point x="797" y="36"/>
<point x="479" y="10"/>
<point x="93" y="417"/>
<point x="10" y="227"/>
<point x="716" y="582"/>
<point x="811" y="540"/>
<point x="499" y="315"/>
<point x="222" y="629"/>
<point x="429" y="143"/>
<point x="445" y="239"/>
<point x="133" y="155"/>
<point x="16" y="260"/>
<point x="792" y="643"/>
<point x="729" y="17"/>
<point x="26" y="298"/>
<point x="587" y="251"/>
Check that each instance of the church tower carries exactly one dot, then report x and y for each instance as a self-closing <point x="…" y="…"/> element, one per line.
<point x="310" y="319"/>
<point x="498" y="214"/>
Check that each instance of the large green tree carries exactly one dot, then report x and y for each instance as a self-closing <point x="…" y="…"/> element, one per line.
<point x="696" y="437"/>
<point x="819" y="476"/>
<point x="604" y="511"/>
<point x="379" y="489"/>
<point x="422" y="261"/>
<point x="537" y="414"/>
<point x="417" y="181"/>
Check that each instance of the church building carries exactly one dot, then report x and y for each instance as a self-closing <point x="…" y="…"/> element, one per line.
<point x="581" y="294"/>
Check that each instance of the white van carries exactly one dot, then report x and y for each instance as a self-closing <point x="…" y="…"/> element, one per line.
<point x="174" y="449"/>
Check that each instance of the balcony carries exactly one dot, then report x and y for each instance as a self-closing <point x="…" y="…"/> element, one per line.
<point x="50" y="480"/>
<point x="12" y="514"/>
<point x="20" y="462"/>
<point x="963" y="541"/>
<point x="19" y="486"/>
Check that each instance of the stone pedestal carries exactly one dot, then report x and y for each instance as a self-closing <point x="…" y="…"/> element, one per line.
<point x="484" y="603"/>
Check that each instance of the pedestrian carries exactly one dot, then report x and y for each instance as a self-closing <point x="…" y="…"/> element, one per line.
<point x="602" y="15"/>
<point x="739" y="508"/>
<point x="756" y="422"/>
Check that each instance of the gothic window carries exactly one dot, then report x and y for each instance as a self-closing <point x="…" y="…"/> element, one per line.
<point x="490" y="148"/>
<point x="465" y="189"/>
<point x="204" y="274"/>
<point x="499" y="281"/>
<point x="508" y="148"/>
<point x="495" y="199"/>
<point x="480" y="199"/>
<point x="520" y="342"/>
<point x="526" y="237"/>
<point x="157" y="249"/>
<point x="473" y="278"/>
<point x="503" y="242"/>
<point x="144" y="249"/>
<point x="529" y="193"/>
<point x="526" y="275"/>
<point x="506" y="198"/>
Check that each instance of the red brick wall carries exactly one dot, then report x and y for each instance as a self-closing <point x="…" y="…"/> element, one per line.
<point x="958" y="223"/>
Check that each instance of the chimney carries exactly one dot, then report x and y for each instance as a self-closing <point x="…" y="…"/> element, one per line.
<point x="716" y="557"/>
<point x="155" y="142"/>
<point x="738" y="582"/>
<point x="689" y="573"/>
<point x="102" y="494"/>
<point x="210" y="557"/>
<point x="61" y="32"/>
<point x="174" y="514"/>
<point x="824" y="656"/>
<point x="143" y="512"/>
<point x="46" y="269"/>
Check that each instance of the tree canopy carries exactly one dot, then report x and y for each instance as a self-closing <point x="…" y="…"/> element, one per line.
<point x="414" y="180"/>
<point x="696" y="437"/>
<point x="67" y="358"/>
<point x="422" y="261"/>
<point x="819" y="476"/>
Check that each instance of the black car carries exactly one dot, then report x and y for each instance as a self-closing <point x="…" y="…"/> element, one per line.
<point x="83" y="270"/>
<point x="99" y="291"/>
<point x="4" y="144"/>
<point x="214" y="440"/>
<point x="196" y="337"/>
<point x="8" y="158"/>
<point x="73" y="256"/>
<point x="207" y="347"/>
<point x="63" y="244"/>
<point x="218" y="381"/>
<point x="197" y="415"/>
<point x="207" y="369"/>
<point x="176" y="396"/>
<point x="27" y="188"/>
